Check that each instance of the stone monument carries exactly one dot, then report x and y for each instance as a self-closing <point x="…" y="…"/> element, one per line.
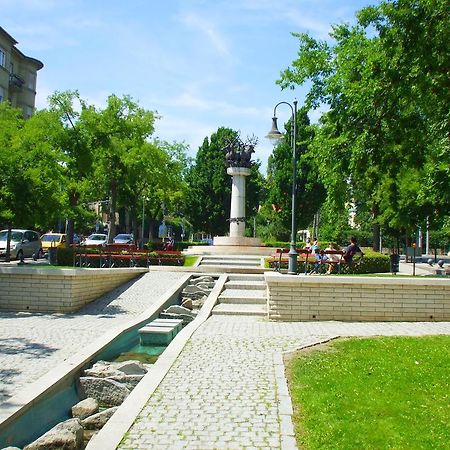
<point x="238" y="160"/>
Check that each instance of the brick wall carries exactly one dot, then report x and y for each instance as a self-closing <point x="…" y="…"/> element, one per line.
<point x="57" y="290"/>
<point x="297" y="298"/>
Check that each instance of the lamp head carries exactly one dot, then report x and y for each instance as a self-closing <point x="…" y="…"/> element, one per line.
<point x="274" y="134"/>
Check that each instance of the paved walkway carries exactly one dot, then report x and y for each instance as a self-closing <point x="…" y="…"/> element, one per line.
<point x="31" y="344"/>
<point x="225" y="390"/>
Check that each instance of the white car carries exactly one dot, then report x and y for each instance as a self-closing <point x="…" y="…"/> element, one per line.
<point x="23" y="244"/>
<point x="96" y="239"/>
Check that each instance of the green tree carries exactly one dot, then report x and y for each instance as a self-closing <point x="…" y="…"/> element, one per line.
<point x="116" y="131"/>
<point x="381" y="125"/>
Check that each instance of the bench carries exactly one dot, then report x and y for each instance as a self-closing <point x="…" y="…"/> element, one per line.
<point x="281" y="258"/>
<point x="132" y="258"/>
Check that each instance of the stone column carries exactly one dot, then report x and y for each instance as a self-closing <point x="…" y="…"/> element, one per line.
<point x="237" y="211"/>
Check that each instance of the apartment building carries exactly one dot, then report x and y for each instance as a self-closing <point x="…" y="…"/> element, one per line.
<point x="18" y="74"/>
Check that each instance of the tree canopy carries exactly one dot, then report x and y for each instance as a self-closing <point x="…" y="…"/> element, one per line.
<point x="383" y="143"/>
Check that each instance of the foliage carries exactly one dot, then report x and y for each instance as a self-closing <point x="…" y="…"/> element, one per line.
<point x="389" y="392"/>
<point x="30" y="169"/>
<point x="65" y="256"/>
<point x="383" y="143"/>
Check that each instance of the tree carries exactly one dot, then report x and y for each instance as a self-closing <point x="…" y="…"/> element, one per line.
<point x="115" y="132"/>
<point x="381" y="125"/>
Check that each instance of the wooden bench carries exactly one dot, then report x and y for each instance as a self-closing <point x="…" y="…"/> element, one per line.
<point x="281" y="258"/>
<point x="333" y="259"/>
<point x="132" y="258"/>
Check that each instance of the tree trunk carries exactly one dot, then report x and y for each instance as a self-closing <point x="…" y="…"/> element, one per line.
<point x="73" y="201"/>
<point x="8" y="244"/>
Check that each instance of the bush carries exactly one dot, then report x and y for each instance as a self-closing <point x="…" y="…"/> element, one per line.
<point x="372" y="262"/>
<point x="64" y="256"/>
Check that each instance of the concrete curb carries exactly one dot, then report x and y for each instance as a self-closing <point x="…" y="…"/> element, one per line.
<point x="285" y="409"/>
<point x="112" y="433"/>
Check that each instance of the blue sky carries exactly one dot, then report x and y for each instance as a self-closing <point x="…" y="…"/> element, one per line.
<point x="200" y="64"/>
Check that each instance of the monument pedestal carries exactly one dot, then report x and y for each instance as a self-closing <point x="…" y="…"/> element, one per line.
<point x="241" y="241"/>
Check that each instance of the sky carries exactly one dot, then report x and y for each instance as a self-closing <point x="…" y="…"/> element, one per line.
<point x="200" y="64"/>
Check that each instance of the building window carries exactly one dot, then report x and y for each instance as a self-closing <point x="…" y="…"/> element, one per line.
<point x="2" y="57"/>
<point x="2" y="94"/>
<point x="31" y="80"/>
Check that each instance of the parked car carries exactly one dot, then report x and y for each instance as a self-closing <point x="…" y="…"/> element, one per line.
<point x="96" y="239"/>
<point x="52" y="240"/>
<point x="23" y="244"/>
<point x="123" y="239"/>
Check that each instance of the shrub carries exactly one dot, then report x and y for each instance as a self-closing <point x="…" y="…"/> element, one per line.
<point x="372" y="262"/>
<point x="64" y="256"/>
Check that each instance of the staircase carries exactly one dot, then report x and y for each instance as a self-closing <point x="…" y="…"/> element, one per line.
<point x="232" y="263"/>
<point x="244" y="294"/>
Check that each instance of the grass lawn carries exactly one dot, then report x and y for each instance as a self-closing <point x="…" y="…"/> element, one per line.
<point x="190" y="260"/>
<point x="378" y="393"/>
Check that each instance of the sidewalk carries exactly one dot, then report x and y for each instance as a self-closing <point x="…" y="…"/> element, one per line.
<point x="227" y="388"/>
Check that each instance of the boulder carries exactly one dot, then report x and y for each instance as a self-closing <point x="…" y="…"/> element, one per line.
<point x="102" y="369"/>
<point x="85" y="408"/>
<point x="130" y="381"/>
<point x="97" y="421"/>
<point x="131" y="367"/>
<point x="67" y="435"/>
<point x="202" y="279"/>
<point x="88" y="435"/>
<point x="175" y="309"/>
<point x="187" y="303"/>
<point x="185" y="318"/>
<point x="107" y="392"/>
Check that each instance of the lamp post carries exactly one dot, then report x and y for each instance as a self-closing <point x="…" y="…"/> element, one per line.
<point x="275" y="134"/>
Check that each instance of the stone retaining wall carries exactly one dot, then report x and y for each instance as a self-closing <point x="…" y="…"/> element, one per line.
<point x="57" y="290"/>
<point x="300" y="298"/>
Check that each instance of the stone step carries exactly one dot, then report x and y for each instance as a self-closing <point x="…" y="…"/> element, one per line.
<point x="240" y="310"/>
<point x="243" y="296"/>
<point x="245" y="277"/>
<point x="246" y="285"/>
<point x="230" y="262"/>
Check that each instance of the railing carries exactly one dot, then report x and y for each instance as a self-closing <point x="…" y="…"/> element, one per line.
<point x="16" y="81"/>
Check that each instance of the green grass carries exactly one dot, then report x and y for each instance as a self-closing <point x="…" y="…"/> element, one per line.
<point x="380" y="393"/>
<point x="190" y="260"/>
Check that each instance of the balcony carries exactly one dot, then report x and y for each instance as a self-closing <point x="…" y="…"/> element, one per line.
<point x="16" y="82"/>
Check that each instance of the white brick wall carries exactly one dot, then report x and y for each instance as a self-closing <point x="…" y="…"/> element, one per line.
<point x="57" y="290"/>
<point x="297" y="298"/>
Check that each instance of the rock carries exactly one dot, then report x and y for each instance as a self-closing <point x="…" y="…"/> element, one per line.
<point x="107" y="392"/>
<point x="206" y="286"/>
<point x="67" y="435"/>
<point x="202" y="279"/>
<point x="88" y="435"/>
<point x="130" y="381"/>
<point x="175" y="309"/>
<point x="193" y="290"/>
<point x="102" y="369"/>
<point x="187" y="303"/>
<point x="97" y="421"/>
<point x="10" y="448"/>
<point x="186" y="319"/>
<point x="131" y="367"/>
<point x="85" y="408"/>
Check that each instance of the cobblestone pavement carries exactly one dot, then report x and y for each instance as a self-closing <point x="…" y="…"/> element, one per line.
<point x="223" y="391"/>
<point x="31" y="344"/>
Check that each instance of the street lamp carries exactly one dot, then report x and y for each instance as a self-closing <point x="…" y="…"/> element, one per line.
<point x="275" y="134"/>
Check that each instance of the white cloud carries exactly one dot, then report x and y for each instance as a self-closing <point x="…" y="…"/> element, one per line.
<point x="205" y="26"/>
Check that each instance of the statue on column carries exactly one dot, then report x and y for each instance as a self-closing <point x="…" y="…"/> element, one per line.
<point x="238" y="153"/>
